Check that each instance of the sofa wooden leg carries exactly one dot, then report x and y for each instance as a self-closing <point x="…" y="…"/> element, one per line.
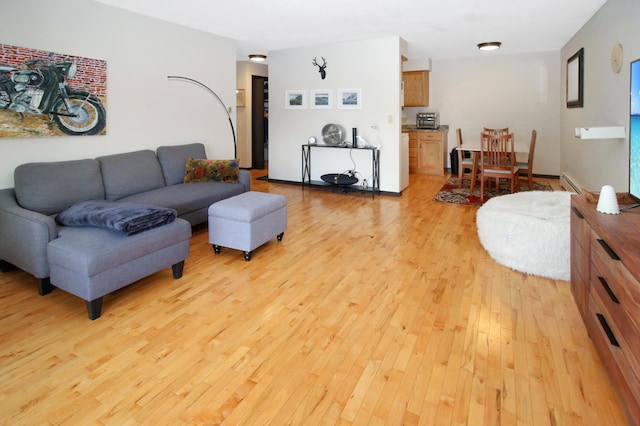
<point x="177" y="269"/>
<point x="94" y="308"/>
<point x="44" y="286"/>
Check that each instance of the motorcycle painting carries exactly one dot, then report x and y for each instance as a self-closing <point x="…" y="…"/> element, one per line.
<point x="48" y="94"/>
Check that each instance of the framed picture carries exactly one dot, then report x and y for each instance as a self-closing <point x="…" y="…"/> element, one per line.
<point x="295" y="99"/>
<point x="239" y="97"/>
<point x="575" y="80"/>
<point x="79" y="111"/>
<point x="350" y="98"/>
<point x="321" y="99"/>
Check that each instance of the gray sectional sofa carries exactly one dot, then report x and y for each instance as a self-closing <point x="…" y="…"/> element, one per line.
<point x="43" y="190"/>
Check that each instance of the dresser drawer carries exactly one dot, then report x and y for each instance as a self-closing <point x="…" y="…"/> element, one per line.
<point x="614" y="360"/>
<point x="622" y="284"/>
<point x="580" y="228"/>
<point x="618" y="319"/>
<point x="430" y="136"/>
<point x="617" y="294"/>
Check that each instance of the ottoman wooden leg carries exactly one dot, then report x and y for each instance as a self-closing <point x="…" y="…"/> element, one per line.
<point x="247" y="255"/>
<point x="280" y="235"/>
<point x="216" y="248"/>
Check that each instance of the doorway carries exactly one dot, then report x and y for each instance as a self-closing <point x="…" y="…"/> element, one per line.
<point x="259" y="121"/>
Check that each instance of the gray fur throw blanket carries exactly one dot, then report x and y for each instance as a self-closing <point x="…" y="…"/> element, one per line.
<point x="125" y="217"/>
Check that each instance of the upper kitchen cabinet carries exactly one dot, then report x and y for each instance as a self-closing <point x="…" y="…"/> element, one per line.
<point x="416" y="88"/>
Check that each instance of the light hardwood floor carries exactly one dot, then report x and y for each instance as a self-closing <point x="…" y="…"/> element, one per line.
<point x="384" y="311"/>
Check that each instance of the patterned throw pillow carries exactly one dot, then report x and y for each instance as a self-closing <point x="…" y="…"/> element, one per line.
<point x="203" y="170"/>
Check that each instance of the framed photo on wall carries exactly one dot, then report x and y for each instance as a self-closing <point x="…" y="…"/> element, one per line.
<point x="321" y="99"/>
<point x="575" y="80"/>
<point x="239" y="97"/>
<point x="350" y="98"/>
<point x="295" y="99"/>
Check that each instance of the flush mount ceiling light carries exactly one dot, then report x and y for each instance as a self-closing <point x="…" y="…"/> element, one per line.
<point x="258" y="58"/>
<point x="492" y="45"/>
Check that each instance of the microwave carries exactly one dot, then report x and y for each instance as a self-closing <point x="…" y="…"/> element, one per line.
<point x="427" y="120"/>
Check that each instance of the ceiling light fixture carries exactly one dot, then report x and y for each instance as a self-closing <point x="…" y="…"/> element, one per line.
<point x="258" y="58"/>
<point x="492" y="45"/>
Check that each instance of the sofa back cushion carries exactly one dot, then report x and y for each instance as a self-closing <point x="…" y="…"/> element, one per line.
<point x="49" y="188"/>
<point x="173" y="160"/>
<point x="130" y="173"/>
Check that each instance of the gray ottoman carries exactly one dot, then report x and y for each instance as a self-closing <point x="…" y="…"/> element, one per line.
<point x="91" y="262"/>
<point x="247" y="221"/>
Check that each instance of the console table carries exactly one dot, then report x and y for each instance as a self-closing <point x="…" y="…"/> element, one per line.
<point x="375" y="165"/>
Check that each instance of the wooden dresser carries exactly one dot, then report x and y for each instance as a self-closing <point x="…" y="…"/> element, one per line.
<point x="605" y="282"/>
<point x="428" y="151"/>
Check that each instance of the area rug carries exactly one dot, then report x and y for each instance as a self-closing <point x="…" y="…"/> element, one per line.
<point x="450" y="193"/>
<point x="528" y="232"/>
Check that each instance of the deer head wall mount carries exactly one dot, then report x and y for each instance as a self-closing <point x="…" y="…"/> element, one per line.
<point x="321" y="68"/>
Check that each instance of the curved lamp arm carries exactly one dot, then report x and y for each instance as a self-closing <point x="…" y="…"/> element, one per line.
<point x="177" y="77"/>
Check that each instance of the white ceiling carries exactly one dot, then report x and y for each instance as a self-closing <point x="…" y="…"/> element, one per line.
<point x="432" y="28"/>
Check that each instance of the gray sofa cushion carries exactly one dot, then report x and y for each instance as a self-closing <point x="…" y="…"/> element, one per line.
<point x="188" y="197"/>
<point x="49" y="188"/>
<point x="130" y="173"/>
<point x="174" y="159"/>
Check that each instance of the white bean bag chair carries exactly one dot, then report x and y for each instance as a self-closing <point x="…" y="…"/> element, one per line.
<point x="529" y="232"/>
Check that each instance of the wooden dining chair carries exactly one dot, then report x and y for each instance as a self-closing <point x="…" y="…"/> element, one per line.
<point x="525" y="170"/>
<point x="497" y="131"/>
<point x="497" y="160"/>
<point x="464" y="163"/>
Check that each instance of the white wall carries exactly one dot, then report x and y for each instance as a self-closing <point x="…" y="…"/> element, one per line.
<point x="593" y="163"/>
<point x="371" y="65"/>
<point x="244" y="71"/>
<point x="144" y="108"/>
<point x="515" y="91"/>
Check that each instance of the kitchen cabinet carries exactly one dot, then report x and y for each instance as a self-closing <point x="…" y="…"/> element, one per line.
<point x="427" y="153"/>
<point x="605" y="283"/>
<point x="416" y="88"/>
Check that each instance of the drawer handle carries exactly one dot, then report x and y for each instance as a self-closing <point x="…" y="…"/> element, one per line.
<point x="577" y="212"/>
<point x="612" y="254"/>
<point x="612" y="295"/>
<point x="607" y="329"/>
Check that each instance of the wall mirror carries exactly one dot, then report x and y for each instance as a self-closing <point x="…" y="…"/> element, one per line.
<point x="575" y="80"/>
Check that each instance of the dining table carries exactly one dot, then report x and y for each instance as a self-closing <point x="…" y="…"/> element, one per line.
<point x="474" y="147"/>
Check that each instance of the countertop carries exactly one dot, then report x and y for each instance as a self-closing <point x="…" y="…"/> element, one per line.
<point x="413" y="128"/>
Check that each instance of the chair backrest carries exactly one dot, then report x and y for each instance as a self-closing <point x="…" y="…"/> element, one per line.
<point x="497" y="152"/>
<point x="532" y="147"/>
<point x="502" y="131"/>
<point x="460" y="152"/>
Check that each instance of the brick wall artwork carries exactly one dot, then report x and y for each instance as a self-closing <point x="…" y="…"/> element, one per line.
<point x="45" y="94"/>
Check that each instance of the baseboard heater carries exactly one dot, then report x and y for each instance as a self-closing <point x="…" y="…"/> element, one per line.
<point x="568" y="184"/>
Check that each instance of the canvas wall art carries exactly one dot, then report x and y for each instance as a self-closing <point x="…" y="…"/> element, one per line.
<point x="51" y="94"/>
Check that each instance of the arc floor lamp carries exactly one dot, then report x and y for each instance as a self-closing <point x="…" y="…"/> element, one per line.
<point x="226" y="110"/>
